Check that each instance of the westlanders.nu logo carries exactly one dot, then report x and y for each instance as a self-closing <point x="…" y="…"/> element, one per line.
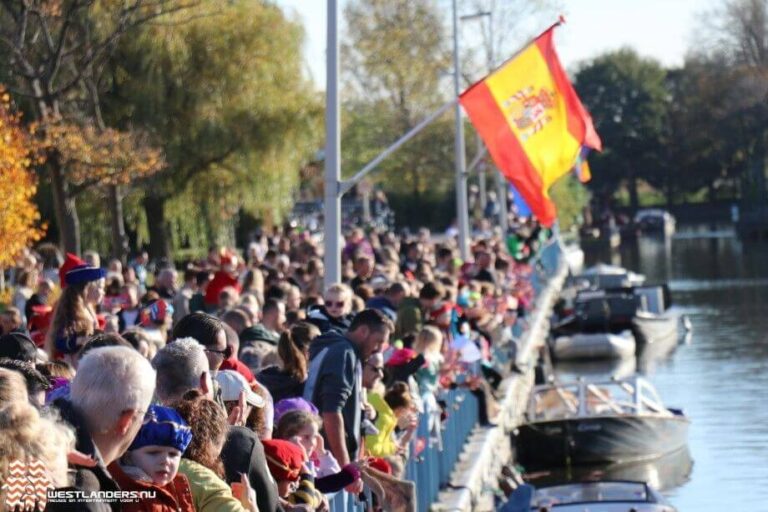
<point x="71" y="496"/>
<point x="26" y="485"/>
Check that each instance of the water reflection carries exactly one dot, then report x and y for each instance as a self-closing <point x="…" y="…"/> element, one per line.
<point x="721" y="376"/>
<point x="665" y="473"/>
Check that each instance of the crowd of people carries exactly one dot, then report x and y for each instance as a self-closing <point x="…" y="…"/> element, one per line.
<point x="241" y="381"/>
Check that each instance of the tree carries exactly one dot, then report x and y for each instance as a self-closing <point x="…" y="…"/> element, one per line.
<point x="223" y="95"/>
<point x="55" y="52"/>
<point x="626" y="96"/>
<point x="19" y="218"/>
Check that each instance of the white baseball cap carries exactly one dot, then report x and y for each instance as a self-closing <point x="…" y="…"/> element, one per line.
<point x="232" y="383"/>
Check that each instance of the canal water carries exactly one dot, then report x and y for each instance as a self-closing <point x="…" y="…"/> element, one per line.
<point x="719" y="374"/>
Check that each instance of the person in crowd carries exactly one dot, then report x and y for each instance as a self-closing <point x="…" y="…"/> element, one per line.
<point x="197" y="301"/>
<point x="74" y="316"/>
<point x="166" y="283"/>
<point x="92" y="258"/>
<point x="28" y="434"/>
<point x="225" y="277"/>
<point x="184" y="294"/>
<point x="236" y="392"/>
<point x="128" y="316"/>
<point x="39" y="298"/>
<point x="182" y="366"/>
<point x="201" y="464"/>
<point x="390" y="301"/>
<point x="258" y="345"/>
<point x="19" y="346"/>
<point x="108" y="397"/>
<point x="233" y="361"/>
<point x="302" y="427"/>
<point x="335" y="314"/>
<point x="152" y="464"/>
<point x="155" y="320"/>
<point x="26" y="282"/>
<point x="363" y="269"/>
<point x="209" y="332"/>
<point x="335" y="379"/>
<point x="393" y="409"/>
<point x="11" y="321"/>
<point x="287" y="380"/>
<point x="37" y="383"/>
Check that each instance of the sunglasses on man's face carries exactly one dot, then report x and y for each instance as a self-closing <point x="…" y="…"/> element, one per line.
<point x="332" y="304"/>
<point x="377" y="369"/>
<point x="227" y="352"/>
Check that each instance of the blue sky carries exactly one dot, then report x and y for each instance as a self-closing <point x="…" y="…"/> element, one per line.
<point x="663" y="29"/>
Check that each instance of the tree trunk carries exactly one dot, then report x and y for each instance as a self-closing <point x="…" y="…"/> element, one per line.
<point x="159" y="231"/>
<point x="65" y="208"/>
<point x="119" y="239"/>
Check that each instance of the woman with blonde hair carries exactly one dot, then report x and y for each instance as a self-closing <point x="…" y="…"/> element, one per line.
<point x="336" y="313"/>
<point x="31" y="437"/>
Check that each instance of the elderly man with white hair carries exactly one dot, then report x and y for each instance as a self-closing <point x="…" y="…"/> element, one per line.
<point x="108" y="398"/>
<point x="182" y="366"/>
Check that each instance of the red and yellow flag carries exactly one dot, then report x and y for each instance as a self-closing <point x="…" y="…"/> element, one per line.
<point x="532" y="122"/>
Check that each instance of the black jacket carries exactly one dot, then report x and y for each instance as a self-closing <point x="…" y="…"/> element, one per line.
<point x="318" y="316"/>
<point x="244" y="453"/>
<point x="86" y="479"/>
<point x="279" y="383"/>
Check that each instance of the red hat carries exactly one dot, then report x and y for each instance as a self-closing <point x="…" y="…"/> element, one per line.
<point x="284" y="458"/>
<point x="70" y="262"/>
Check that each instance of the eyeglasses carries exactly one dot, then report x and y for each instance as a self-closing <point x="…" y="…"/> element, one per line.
<point x="377" y="369"/>
<point x="332" y="304"/>
<point x="227" y="352"/>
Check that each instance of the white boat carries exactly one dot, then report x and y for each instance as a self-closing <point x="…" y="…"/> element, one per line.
<point x="610" y="276"/>
<point x="599" y="345"/>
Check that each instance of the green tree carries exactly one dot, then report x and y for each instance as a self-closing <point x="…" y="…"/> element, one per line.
<point x="225" y="98"/>
<point x="626" y="96"/>
<point x="395" y="58"/>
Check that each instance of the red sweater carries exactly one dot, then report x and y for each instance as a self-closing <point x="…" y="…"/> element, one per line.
<point x="220" y="281"/>
<point x="175" y="496"/>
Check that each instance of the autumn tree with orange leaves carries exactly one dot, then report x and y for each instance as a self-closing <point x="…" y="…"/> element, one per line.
<point x="19" y="218"/>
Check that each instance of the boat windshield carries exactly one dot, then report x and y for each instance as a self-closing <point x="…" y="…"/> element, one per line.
<point x="583" y="399"/>
<point x="591" y="492"/>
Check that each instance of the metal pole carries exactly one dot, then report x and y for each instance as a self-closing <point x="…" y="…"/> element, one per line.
<point x="481" y="175"/>
<point x="462" y="215"/>
<point x="332" y="151"/>
<point x="501" y="180"/>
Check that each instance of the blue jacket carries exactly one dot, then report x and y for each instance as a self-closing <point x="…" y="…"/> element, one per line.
<point x="335" y="381"/>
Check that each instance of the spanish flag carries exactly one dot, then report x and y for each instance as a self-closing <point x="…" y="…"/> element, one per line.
<point x="532" y="122"/>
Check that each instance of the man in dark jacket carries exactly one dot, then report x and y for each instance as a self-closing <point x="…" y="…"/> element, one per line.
<point x="390" y="301"/>
<point x="258" y="344"/>
<point x="335" y="375"/>
<point x="108" y="398"/>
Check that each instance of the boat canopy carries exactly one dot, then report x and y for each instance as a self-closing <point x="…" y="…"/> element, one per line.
<point x="592" y="492"/>
<point x="583" y="399"/>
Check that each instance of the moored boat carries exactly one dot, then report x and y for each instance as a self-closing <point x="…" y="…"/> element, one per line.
<point x="603" y="496"/>
<point x="598" y="422"/>
<point x="591" y="346"/>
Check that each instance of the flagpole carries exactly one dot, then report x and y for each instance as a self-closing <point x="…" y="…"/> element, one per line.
<point x="462" y="215"/>
<point x="332" y="213"/>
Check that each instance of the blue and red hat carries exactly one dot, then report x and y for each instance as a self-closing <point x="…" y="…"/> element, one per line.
<point x="76" y="271"/>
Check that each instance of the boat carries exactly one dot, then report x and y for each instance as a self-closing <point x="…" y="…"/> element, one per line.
<point x="655" y="221"/>
<point x="594" y="370"/>
<point x="591" y="346"/>
<point x="603" y="496"/>
<point x="610" y="276"/>
<point x="581" y="423"/>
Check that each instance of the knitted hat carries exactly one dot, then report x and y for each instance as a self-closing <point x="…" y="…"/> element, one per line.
<point x="293" y="404"/>
<point x="71" y="262"/>
<point x="163" y="426"/>
<point x="284" y="458"/>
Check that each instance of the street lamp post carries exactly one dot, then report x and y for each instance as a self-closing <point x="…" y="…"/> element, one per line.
<point x="332" y="151"/>
<point x="462" y="214"/>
